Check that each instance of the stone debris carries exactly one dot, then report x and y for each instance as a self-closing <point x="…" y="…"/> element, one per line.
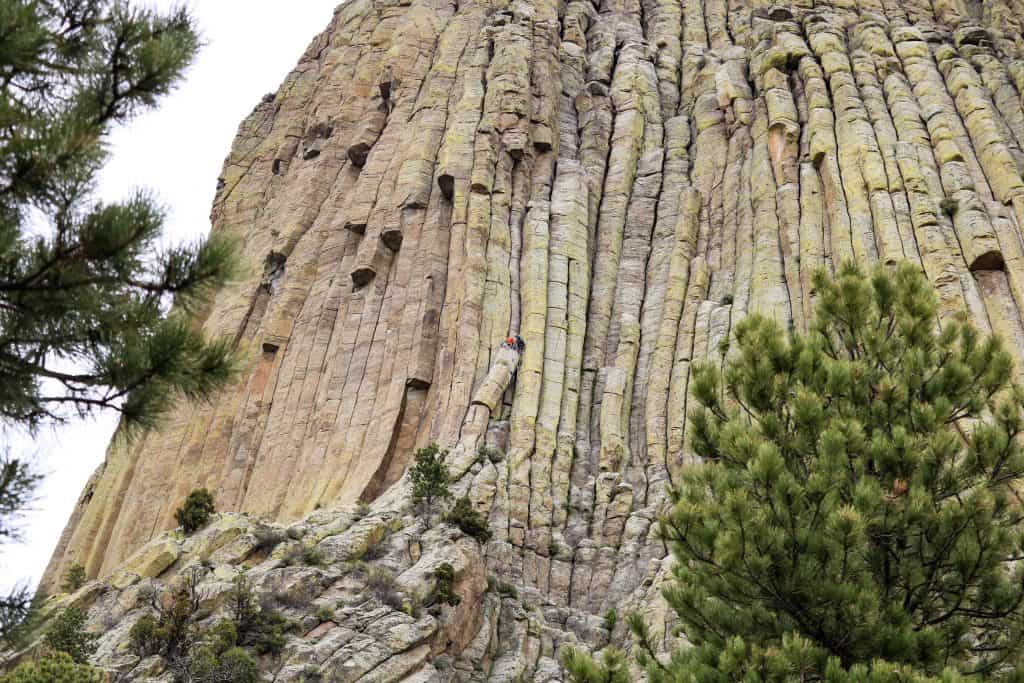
<point x="617" y="182"/>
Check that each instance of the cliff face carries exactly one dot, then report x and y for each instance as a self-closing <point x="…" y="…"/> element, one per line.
<point x="618" y="182"/>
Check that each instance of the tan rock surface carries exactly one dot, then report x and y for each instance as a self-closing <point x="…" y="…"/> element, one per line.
<point x="617" y="181"/>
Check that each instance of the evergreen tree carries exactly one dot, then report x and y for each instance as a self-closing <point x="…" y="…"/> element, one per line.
<point x="855" y="515"/>
<point x="67" y="634"/>
<point x="195" y="511"/>
<point x="430" y="477"/>
<point x="85" y="287"/>
<point x="17" y="487"/>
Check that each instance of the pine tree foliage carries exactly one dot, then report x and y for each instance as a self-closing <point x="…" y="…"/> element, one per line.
<point x="857" y="498"/>
<point x="855" y="515"/>
<point x="18" y="482"/>
<point x="53" y="668"/>
<point x="195" y="512"/>
<point x="84" y="286"/>
<point x="67" y="634"/>
<point x="430" y="477"/>
<point x="581" y="668"/>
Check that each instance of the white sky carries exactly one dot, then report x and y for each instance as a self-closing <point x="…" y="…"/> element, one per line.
<point x="177" y="152"/>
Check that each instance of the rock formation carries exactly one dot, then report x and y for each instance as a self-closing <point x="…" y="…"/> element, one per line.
<point x="617" y="181"/>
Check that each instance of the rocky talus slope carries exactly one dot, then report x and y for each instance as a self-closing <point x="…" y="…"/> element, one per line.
<point x="618" y="181"/>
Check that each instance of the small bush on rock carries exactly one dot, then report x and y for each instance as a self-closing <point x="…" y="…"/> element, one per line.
<point x="268" y="538"/>
<point x="145" y="637"/>
<point x="611" y="617"/>
<point x="444" y="591"/>
<point x="258" y="626"/>
<point x="472" y="523"/>
<point x="313" y="557"/>
<point x="233" y="665"/>
<point x="195" y="513"/>
<point x="74" y="578"/>
<point x="67" y="634"/>
<point x="949" y="206"/>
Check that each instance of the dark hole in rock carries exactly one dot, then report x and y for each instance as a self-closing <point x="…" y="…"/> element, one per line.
<point x="276" y="168"/>
<point x="990" y="260"/>
<point x="270" y="348"/>
<point x="446" y="182"/>
<point x="392" y="239"/>
<point x="362" y="275"/>
<point x="358" y="152"/>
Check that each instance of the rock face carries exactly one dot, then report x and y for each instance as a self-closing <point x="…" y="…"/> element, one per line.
<point x="618" y="182"/>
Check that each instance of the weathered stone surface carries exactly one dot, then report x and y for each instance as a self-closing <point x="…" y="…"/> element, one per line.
<point x="619" y="183"/>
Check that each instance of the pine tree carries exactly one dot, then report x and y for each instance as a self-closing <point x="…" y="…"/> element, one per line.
<point x="67" y="634"/>
<point x="17" y="488"/>
<point x="195" y="511"/>
<point x="429" y="477"/>
<point x="855" y="515"/>
<point x="85" y="286"/>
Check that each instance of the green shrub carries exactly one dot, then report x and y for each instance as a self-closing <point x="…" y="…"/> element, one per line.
<point x="222" y="636"/>
<point x="429" y="477"/>
<point x="268" y="538"/>
<point x="269" y="633"/>
<point x="170" y="632"/>
<point x="507" y="590"/>
<point x="611" y="617"/>
<point x="258" y="626"/>
<point x="324" y="613"/>
<point x="196" y="511"/>
<point x="444" y="592"/>
<point x="233" y="665"/>
<point x="74" y="578"/>
<point x="413" y="607"/>
<point x="146" y="637"/>
<point x="67" y="634"/>
<point x="57" y="667"/>
<point x="313" y="557"/>
<point x="472" y="523"/>
<point x="949" y="206"/>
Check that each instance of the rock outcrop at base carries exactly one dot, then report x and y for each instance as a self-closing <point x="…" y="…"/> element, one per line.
<point x="617" y="181"/>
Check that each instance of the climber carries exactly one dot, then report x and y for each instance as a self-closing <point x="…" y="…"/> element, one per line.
<point x="509" y="343"/>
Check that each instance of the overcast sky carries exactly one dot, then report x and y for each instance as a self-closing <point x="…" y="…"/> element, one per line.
<point x="177" y="152"/>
